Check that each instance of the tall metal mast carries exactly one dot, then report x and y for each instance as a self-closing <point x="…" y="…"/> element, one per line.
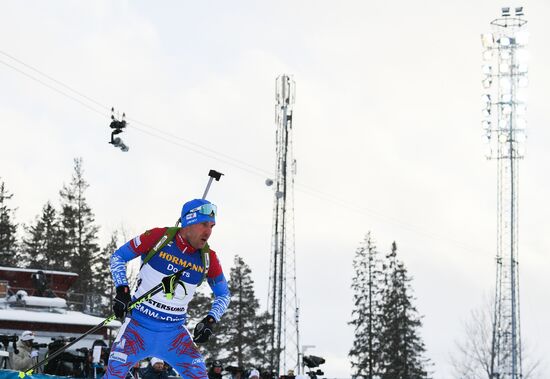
<point x="282" y="301"/>
<point x="505" y="76"/>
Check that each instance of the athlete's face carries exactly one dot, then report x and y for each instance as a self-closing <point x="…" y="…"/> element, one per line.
<point x="198" y="234"/>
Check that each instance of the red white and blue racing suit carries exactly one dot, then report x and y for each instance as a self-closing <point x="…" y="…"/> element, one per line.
<point x="156" y="327"/>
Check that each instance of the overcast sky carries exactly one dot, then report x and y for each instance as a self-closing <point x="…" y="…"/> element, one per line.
<point x="387" y="136"/>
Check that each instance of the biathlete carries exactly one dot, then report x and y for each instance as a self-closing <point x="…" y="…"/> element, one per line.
<point x="156" y="328"/>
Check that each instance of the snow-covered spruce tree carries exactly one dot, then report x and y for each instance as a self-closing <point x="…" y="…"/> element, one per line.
<point x="42" y="242"/>
<point x="367" y="290"/>
<point x="402" y="349"/>
<point x="78" y="230"/>
<point x="240" y="337"/>
<point x="8" y="229"/>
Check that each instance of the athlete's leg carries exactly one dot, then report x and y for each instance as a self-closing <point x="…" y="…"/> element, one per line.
<point x="182" y="354"/>
<point x="129" y="347"/>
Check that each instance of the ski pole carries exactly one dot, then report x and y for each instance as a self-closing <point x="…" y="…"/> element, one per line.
<point x="146" y="296"/>
<point x="213" y="174"/>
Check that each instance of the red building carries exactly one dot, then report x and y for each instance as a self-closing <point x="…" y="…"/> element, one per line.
<point x="38" y="301"/>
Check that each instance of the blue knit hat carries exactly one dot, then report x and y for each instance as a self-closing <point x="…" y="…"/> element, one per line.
<point x="196" y="211"/>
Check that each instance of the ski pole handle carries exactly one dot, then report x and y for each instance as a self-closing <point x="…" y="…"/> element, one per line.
<point x="213" y="174"/>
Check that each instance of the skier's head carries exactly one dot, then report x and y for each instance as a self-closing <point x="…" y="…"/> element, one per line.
<point x="198" y="217"/>
<point x="196" y="211"/>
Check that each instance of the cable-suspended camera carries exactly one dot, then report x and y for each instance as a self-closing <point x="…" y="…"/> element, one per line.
<point x="117" y="126"/>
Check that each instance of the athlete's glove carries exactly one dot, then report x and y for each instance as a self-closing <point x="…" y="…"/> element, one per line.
<point x="122" y="299"/>
<point x="34" y="353"/>
<point x="204" y="329"/>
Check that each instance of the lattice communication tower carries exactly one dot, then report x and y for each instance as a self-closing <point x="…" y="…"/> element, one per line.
<point x="504" y="82"/>
<point x="282" y="300"/>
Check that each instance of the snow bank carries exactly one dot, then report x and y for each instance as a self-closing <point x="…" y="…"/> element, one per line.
<point x="70" y="317"/>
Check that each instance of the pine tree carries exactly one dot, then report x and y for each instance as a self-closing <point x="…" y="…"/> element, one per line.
<point x="366" y="315"/>
<point x="240" y="337"/>
<point x="199" y="306"/>
<point x="8" y="229"/>
<point x="241" y="330"/>
<point x="261" y="351"/>
<point x="42" y="244"/>
<point x="402" y="349"/>
<point x="78" y="230"/>
<point x="197" y="309"/>
<point x="101" y="273"/>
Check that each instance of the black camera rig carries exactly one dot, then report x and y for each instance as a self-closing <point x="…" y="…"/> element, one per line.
<point x="312" y="361"/>
<point x="117" y="126"/>
<point x="6" y="339"/>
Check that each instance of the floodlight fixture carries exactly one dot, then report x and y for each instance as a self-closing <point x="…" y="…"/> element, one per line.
<point x="504" y="75"/>
<point x="519" y="11"/>
<point x="506" y="19"/>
